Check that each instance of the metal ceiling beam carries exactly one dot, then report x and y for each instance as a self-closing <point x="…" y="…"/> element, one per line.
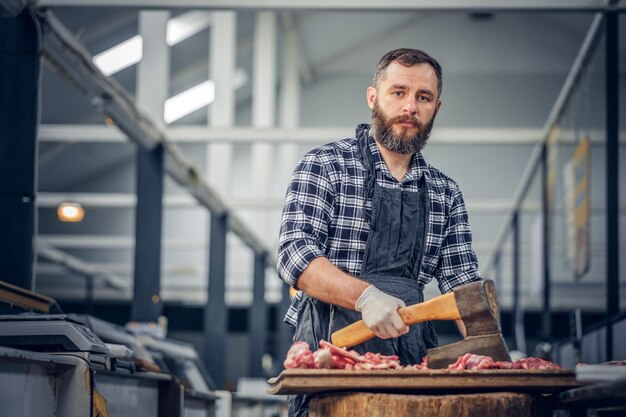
<point x="296" y="135"/>
<point x="65" y="54"/>
<point x="311" y="136"/>
<point x="426" y="5"/>
<point x="113" y="242"/>
<point x="129" y="200"/>
<point x="52" y="254"/>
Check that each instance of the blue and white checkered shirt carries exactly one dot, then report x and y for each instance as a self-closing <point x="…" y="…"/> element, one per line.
<point x="323" y="216"/>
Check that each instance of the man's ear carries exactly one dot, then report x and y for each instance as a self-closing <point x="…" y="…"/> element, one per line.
<point x="438" y="106"/>
<point x="371" y="97"/>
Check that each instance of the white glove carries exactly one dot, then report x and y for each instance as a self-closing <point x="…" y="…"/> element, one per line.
<point x="380" y="313"/>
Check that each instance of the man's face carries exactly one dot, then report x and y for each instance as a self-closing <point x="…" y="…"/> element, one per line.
<point x="404" y="105"/>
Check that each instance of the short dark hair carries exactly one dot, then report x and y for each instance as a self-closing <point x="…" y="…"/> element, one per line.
<point x="408" y="57"/>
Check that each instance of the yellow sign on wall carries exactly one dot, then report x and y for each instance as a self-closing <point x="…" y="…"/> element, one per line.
<point x="578" y="196"/>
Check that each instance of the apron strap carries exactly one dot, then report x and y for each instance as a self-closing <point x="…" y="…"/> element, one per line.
<point x="365" y="156"/>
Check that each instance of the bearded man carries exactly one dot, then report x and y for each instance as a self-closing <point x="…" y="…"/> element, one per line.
<point x="367" y="223"/>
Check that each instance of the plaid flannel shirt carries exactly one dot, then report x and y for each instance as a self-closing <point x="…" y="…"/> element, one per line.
<point x="323" y="216"/>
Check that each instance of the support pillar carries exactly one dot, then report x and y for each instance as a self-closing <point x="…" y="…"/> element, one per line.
<point x="215" y="310"/>
<point x="518" y="313"/>
<point x="20" y="55"/>
<point x="221" y="113"/>
<point x="546" y="312"/>
<point x="612" y="176"/>
<point x="263" y="108"/>
<point x="147" y="305"/>
<point x="152" y="89"/>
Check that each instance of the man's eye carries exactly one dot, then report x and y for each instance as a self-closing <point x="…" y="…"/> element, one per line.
<point x="398" y="93"/>
<point x="424" y="98"/>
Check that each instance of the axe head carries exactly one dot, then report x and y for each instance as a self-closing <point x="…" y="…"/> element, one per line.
<point x="478" y="307"/>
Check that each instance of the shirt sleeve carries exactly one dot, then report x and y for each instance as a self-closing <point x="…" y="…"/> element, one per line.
<point x="458" y="264"/>
<point x="306" y="215"/>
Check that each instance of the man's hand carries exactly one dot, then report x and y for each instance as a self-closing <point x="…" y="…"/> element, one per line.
<point x="380" y="313"/>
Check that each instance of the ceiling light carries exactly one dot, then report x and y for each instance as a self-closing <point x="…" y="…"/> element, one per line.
<point x="197" y="97"/>
<point x="70" y="212"/>
<point x="120" y="56"/>
<point x="186" y="25"/>
<point x="189" y="101"/>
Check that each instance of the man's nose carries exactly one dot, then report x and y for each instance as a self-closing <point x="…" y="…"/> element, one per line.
<point x="410" y="106"/>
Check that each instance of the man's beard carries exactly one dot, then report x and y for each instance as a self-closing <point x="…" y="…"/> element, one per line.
<point x="383" y="132"/>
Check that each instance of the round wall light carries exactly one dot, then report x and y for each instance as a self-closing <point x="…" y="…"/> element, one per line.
<point x="70" y="212"/>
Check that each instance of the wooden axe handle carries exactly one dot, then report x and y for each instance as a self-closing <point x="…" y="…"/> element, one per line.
<point x="442" y="307"/>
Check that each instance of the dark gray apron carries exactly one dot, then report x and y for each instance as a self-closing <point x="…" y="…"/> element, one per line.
<point x="392" y="259"/>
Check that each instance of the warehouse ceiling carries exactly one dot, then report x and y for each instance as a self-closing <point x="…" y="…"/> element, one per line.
<point x="502" y="74"/>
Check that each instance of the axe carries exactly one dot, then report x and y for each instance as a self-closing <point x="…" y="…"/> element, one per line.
<point x="476" y="304"/>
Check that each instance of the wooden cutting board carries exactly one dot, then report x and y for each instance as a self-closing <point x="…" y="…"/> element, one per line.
<point x="309" y="381"/>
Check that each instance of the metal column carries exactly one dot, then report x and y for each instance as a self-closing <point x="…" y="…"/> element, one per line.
<point x="612" y="176"/>
<point x="289" y="103"/>
<point x="546" y="313"/>
<point x="263" y="109"/>
<point x="147" y="305"/>
<point x="20" y="54"/>
<point x="258" y="317"/>
<point x="152" y="89"/>
<point x="221" y="113"/>
<point x="518" y="315"/>
<point x="215" y="310"/>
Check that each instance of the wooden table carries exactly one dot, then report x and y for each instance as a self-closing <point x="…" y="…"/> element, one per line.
<point x="425" y="393"/>
<point x="310" y="381"/>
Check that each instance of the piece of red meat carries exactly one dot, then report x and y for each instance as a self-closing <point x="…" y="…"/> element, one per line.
<point x="329" y="356"/>
<point x="367" y="361"/>
<point x="299" y="356"/>
<point x="324" y="359"/>
<point x="470" y="361"/>
<point x="480" y="362"/>
<point x="536" y="363"/>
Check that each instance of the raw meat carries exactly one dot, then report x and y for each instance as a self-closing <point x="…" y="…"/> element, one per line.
<point x="536" y="363"/>
<point x="471" y="361"/>
<point x="300" y="356"/>
<point x="329" y="356"/>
